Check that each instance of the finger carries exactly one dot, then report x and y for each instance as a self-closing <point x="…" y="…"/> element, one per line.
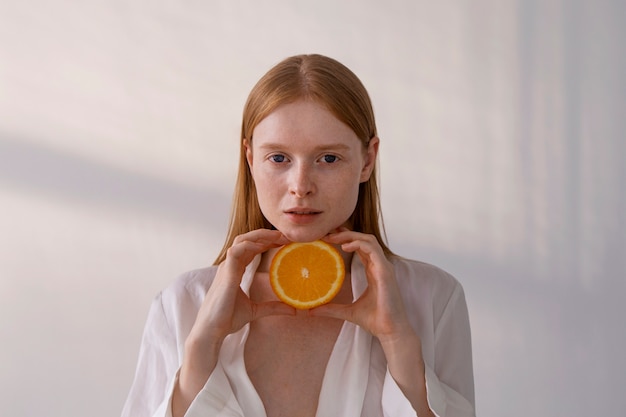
<point x="345" y="236"/>
<point x="263" y="237"/>
<point x="340" y="235"/>
<point x="338" y="230"/>
<point x="367" y="246"/>
<point x="337" y="311"/>
<point x="377" y="265"/>
<point x="271" y="308"/>
<point x="245" y="247"/>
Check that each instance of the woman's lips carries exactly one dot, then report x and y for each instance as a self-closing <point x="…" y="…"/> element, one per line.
<point x="302" y="216"/>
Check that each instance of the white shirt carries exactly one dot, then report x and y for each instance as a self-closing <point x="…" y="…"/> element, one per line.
<point x="356" y="383"/>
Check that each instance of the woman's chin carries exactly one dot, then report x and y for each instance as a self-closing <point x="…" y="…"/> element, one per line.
<point x="303" y="236"/>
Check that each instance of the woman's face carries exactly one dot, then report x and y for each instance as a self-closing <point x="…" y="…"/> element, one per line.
<point x="307" y="167"/>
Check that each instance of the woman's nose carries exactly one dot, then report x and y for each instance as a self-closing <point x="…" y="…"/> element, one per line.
<point x="301" y="181"/>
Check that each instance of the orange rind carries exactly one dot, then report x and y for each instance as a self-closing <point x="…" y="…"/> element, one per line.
<point x="306" y="275"/>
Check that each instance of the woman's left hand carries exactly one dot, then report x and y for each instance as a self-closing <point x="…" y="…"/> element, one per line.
<point x="380" y="309"/>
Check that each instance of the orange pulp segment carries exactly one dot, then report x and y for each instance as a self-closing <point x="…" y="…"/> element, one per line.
<point x="305" y="275"/>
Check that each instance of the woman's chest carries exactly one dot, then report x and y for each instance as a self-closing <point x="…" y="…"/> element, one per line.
<point x="286" y="361"/>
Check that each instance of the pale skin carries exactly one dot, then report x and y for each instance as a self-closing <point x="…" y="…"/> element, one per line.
<point x="299" y="150"/>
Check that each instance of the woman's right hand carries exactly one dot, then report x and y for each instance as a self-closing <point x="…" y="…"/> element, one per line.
<point x="225" y="310"/>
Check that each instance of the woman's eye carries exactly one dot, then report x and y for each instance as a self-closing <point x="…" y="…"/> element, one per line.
<point x="329" y="159"/>
<point x="277" y="158"/>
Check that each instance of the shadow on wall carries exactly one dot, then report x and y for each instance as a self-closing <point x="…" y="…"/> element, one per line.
<point x="54" y="174"/>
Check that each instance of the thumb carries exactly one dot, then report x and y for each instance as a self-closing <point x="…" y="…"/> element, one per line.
<point x="337" y="311"/>
<point x="272" y="308"/>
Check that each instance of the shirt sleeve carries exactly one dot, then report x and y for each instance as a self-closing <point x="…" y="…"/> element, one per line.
<point x="450" y="380"/>
<point x="216" y="399"/>
<point x="156" y="368"/>
<point x="160" y="357"/>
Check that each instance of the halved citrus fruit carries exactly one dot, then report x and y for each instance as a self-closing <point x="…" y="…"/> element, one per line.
<point x="307" y="275"/>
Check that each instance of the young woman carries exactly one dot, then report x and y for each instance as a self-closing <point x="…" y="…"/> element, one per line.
<point x="396" y="339"/>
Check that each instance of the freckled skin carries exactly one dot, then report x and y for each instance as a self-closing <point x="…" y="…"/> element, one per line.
<point x="307" y="167"/>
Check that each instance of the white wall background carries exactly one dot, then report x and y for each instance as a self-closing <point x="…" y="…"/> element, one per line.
<point x="503" y="150"/>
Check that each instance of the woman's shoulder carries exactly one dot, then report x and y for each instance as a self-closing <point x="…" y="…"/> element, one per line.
<point x="417" y="273"/>
<point x="189" y="287"/>
<point x="427" y="288"/>
<point x="421" y="269"/>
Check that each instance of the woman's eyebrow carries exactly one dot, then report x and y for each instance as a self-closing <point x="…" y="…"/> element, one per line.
<point x="322" y="147"/>
<point x="333" y="147"/>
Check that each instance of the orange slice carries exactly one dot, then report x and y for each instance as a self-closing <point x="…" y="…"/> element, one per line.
<point x="307" y="275"/>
